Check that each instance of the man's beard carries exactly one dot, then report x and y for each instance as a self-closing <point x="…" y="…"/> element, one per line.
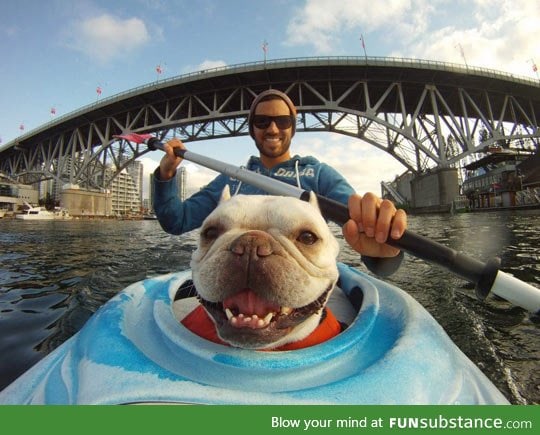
<point x="284" y="148"/>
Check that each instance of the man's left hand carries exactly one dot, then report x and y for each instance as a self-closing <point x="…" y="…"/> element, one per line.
<point x="372" y="221"/>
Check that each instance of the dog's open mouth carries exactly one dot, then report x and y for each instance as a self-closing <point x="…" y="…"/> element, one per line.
<point x="247" y="310"/>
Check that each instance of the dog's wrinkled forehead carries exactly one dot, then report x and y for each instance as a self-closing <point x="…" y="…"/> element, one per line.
<point x="263" y="211"/>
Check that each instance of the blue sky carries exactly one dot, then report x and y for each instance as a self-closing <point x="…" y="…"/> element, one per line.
<point x="56" y="53"/>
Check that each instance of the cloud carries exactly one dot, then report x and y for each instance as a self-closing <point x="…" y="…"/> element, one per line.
<point x="105" y="37"/>
<point x="205" y="65"/>
<point x="363" y="165"/>
<point x="209" y="64"/>
<point x="321" y="23"/>
<point x="497" y="34"/>
<point x="197" y="177"/>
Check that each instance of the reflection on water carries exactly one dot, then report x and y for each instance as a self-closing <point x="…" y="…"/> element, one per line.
<point x="54" y="275"/>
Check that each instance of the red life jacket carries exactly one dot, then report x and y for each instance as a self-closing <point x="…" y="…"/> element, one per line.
<point x="200" y="323"/>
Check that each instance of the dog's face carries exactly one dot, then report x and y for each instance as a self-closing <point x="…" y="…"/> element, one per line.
<point x="264" y="269"/>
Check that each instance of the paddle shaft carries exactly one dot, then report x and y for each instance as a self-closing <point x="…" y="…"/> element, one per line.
<point x="483" y="275"/>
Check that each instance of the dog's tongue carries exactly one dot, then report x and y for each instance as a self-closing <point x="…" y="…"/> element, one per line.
<point x="247" y="302"/>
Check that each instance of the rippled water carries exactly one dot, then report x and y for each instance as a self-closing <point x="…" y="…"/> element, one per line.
<point x="54" y="275"/>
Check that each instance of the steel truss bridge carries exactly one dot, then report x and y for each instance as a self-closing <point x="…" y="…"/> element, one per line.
<point x="425" y="114"/>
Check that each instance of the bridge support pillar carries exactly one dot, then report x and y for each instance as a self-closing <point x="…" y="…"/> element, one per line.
<point x="84" y="203"/>
<point x="433" y="192"/>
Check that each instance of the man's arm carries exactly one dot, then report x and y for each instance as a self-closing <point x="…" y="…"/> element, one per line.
<point x="176" y="216"/>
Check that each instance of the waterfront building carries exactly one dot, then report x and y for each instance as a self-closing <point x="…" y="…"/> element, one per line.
<point x="151" y="193"/>
<point x="504" y="178"/>
<point x="147" y="206"/>
<point x="181" y="179"/>
<point x="125" y="195"/>
<point x="135" y="171"/>
<point x="14" y="195"/>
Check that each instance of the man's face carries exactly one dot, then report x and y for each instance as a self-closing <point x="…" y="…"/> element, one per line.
<point x="272" y="142"/>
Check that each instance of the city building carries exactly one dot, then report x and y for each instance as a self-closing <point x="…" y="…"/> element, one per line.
<point x="125" y="195"/>
<point x="181" y="180"/>
<point x="13" y="196"/>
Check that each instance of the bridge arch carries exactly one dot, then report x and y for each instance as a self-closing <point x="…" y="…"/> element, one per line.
<point x="425" y="114"/>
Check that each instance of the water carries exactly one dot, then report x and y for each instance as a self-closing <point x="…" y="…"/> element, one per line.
<point x="55" y="274"/>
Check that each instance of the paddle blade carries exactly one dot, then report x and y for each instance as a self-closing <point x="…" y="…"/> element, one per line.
<point x="134" y="137"/>
<point x="517" y="292"/>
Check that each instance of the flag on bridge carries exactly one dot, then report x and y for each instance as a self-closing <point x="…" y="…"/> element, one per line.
<point x="363" y="46"/>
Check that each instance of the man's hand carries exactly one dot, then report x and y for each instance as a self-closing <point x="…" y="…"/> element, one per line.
<point x="169" y="162"/>
<point x="372" y="221"/>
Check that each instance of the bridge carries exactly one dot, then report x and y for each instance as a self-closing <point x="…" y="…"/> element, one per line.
<point x="425" y="114"/>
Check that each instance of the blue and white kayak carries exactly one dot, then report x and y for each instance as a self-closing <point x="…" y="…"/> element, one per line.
<point x="134" y="350"/>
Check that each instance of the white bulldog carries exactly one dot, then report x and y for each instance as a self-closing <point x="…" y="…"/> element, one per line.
<point x="264" y="269"/>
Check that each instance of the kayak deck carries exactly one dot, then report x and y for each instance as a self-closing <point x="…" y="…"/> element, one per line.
<point x="135" y="350"/>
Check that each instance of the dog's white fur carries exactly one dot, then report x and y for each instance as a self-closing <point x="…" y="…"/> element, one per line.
<point x="276" y="249"/>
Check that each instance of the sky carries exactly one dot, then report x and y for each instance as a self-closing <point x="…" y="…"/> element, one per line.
<point x="56" y="53"/>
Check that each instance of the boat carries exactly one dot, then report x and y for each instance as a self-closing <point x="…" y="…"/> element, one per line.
<point x="36" y="213"/>
<point x="41" y="213"/>
<point x="503" y="179"/>
<point x="134" y="350"/>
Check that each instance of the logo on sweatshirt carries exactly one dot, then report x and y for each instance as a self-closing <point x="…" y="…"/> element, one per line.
<point x="291" y="173"/>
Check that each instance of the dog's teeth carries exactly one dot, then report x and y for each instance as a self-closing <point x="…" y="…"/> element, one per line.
<point x="253" y="320"/>
<point x="286" y="310"/>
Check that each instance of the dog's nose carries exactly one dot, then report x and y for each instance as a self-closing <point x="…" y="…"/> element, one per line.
<point x="256" y="243"/>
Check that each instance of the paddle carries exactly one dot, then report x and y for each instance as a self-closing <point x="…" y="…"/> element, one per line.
<point x="486" y="276"/>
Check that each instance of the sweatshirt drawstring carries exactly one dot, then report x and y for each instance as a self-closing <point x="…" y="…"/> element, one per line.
<point x="297" y="175"/>
<point x="237" y="190"/>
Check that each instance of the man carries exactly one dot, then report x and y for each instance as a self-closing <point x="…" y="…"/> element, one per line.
<point x="272" y="124"/>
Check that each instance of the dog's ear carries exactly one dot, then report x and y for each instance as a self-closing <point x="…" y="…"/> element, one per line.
<point x="313" y="200"/>
<point x="225" y="194"/>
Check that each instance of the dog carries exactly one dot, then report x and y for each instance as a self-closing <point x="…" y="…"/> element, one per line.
<point x="264" y="269"/>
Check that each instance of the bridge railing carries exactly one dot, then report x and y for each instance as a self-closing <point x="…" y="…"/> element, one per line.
<point x="277" y="63"/>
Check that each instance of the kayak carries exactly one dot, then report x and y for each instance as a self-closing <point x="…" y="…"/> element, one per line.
<point x="135" y="350"/>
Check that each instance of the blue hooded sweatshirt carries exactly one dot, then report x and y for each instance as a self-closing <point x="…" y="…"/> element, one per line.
<point x="178" y="217"/>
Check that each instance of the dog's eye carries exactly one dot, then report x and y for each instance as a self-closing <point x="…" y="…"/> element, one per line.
<point x="210" y="233"/>
<point x="307" y="238"/>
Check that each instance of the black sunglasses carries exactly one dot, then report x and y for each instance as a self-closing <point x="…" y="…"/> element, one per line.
<point x="282" y="122"/>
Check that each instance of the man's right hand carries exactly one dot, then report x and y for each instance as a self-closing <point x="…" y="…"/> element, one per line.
<point x="169" y="162"/>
